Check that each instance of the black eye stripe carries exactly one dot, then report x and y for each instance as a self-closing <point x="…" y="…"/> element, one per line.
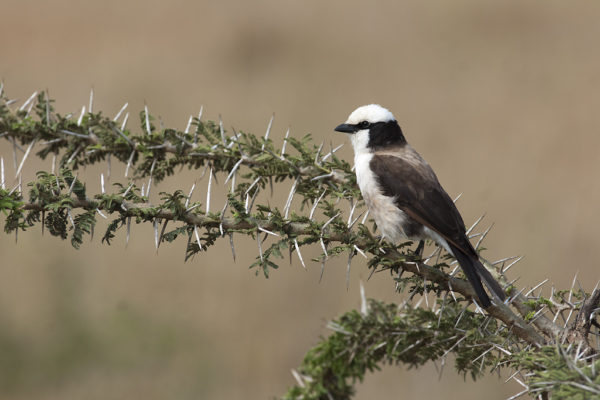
<point x="364" y="125"/>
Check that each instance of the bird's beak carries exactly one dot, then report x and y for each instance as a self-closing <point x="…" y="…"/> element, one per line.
<point x="346" y="128"/>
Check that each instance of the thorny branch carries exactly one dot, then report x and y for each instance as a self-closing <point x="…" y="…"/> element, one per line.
<point x="320" y="179"/>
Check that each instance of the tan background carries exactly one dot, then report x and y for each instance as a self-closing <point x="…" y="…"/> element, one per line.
<point x="501" y="97"/>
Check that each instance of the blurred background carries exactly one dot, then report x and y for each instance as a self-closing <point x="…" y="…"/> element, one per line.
<point x="501" y="98"/>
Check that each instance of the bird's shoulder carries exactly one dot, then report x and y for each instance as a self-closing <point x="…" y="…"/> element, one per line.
<point x="403" y="163"/>
<point x="410" y="180"/>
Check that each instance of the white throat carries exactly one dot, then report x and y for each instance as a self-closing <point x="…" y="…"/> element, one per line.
<point x="360" y="141"/>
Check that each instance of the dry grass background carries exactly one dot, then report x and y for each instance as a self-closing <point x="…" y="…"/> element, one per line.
<point x="501" y="97"/>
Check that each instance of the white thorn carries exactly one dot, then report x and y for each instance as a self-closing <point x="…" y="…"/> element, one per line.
<point x="235" y="167"/>
<point x="324" y="248"/>
<point x="187" y="201"/>
<point x="53" y="164"/>
<point x="537" y="286"/>
<point x="31" y="107"/>
<point x="316" y="178"/>
<point x="71" y="218"/>
<point x="125" y="121"/>
<point x="102" y="182"/>
<point x="72" y="184"/>
<point x="148" y="187"/>
<point x="326" y="156"/>
<point x="350" y="255"/>
<point x="109" y="168"/>
<point x="247" y="203"/>
<point x="14" y="151"/>
<point x="222" y="130"/>
<point x="2" y="182"/>
<point x="199" y="118"/>
<point x="362" y="253"/>
<point x="197" y="237"/>
<point x="81" y="116"/>
<point x="457" y="197"/>
<point x="156" y="233"/>
<point x="319" y="153"/>
<point x="483" y="235"/>
<point x="364" y="309"/>
<point x="25" y="157"/>
<point x="127" y="190"/>
<point x="287" y="133"/>
<point x="329" y="221"/>
<point x="91" y="100"/>
<point x="314" y="207"/>
<point x="260" y="250"/>
<point x="128" y="231"/>
<point x="27" y="101"/>
<point x="129" y="163"/>
<point x="503" y="260"/>
<point x="233" y="182"/>
<point x="151" y="176"/>
<point x="253" y="184"/>
<point x="352" y="212"/>
<point x="521" y="393"/>
<point x="260" y="228"/>
<point x="148" y="131"/>
<point x="475" y="224"/>
<point x="189" y="124"/>
<point x="355" y="220"/>
<point x="74" y="134"/>
<point x="232" y="246"/>
<point x="504" y="270"/>
<point x="365" y="217"/>
<point x="299" y="254"/>
<point x="268" y="131"/>
<point x="192" y="207"/>
<point x="289" y="199"/>
<point x="223" y="216"/>
<point x="298" y="378"/>
<point x="101" y="213"/>
<point x="210" y="175"/>
<point x="572" y="286"/>
<point x="120" y="112"/>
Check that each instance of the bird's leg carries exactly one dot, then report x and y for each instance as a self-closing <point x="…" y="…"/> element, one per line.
<point x="420" y="247"/>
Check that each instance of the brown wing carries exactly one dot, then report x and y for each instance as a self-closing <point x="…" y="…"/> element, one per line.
<point x="419" y="194"/>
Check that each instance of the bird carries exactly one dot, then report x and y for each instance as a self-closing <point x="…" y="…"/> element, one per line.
<point x="404" y="196"/>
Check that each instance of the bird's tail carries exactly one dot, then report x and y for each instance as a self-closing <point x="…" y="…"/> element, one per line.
<point x="475" y="272"/>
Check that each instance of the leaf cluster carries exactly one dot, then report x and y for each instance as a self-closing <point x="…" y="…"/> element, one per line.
<point x="392" y="334"/>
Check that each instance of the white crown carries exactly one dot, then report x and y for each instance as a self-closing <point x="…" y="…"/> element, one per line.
<point x="371" y="113"/>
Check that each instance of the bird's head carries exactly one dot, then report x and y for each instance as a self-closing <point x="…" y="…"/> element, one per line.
<point x="372" y="127"/>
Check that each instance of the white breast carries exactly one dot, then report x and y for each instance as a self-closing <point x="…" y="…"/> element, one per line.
<point x="388" y="217"/>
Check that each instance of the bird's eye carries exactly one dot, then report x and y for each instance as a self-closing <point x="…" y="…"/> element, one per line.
<point x="363" y="125"/>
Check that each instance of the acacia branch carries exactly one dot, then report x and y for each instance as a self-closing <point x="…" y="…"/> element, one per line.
<point x="293" y="229"/>
<point x="320" y="179"/>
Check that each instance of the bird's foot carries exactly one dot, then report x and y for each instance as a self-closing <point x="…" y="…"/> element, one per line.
<point x="419" y="250"/>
